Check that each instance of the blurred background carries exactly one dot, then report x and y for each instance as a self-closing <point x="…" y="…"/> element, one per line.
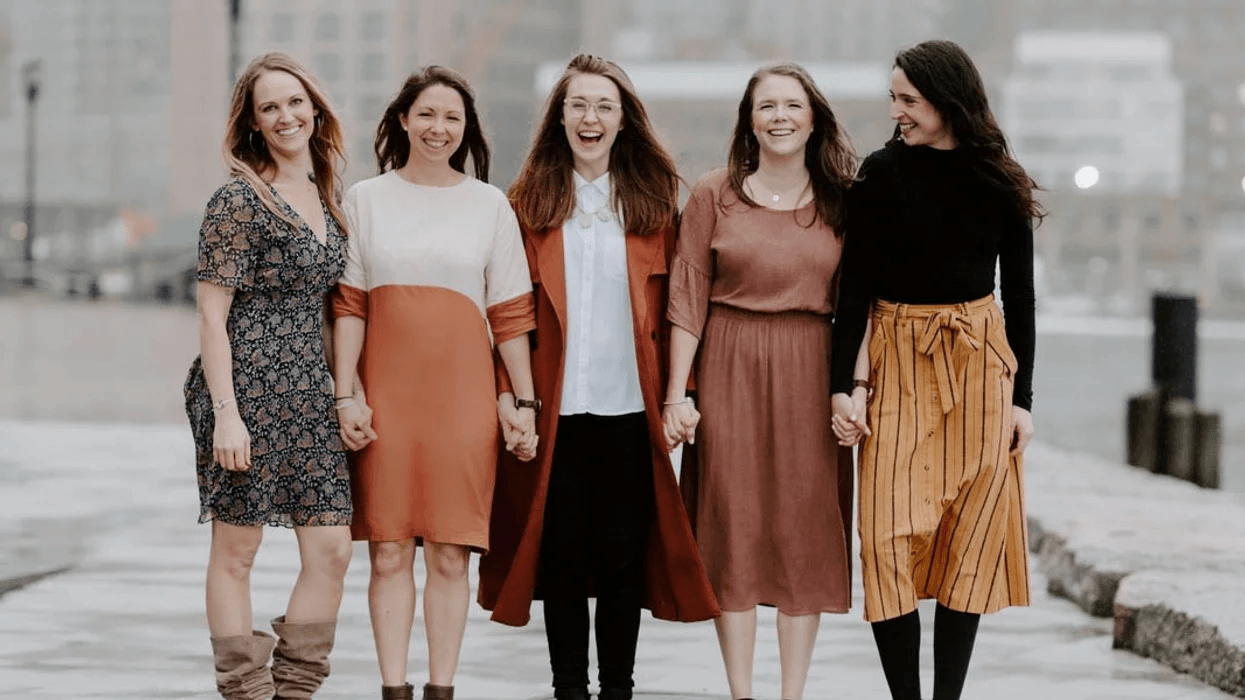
<point x="1131" y="113"/>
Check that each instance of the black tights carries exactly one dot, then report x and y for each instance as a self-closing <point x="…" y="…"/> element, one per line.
<point x="899" y="646"/>
<point x="597" y="521"/>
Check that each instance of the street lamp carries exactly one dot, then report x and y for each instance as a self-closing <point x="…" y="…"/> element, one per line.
<point x="235" y="53"/>
<point x="30" y="78"/>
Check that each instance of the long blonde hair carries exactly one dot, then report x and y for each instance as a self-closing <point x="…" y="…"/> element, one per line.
<point x="247" y="161"/>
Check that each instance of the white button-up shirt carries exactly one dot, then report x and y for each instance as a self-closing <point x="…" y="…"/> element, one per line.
<point x="601" y="376"/>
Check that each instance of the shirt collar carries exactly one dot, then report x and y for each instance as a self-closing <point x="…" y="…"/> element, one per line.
<point x="601" y="184"/>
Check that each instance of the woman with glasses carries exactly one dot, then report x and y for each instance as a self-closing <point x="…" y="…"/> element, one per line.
<point x="751" y="295"/>
<point x="600" y="512"/>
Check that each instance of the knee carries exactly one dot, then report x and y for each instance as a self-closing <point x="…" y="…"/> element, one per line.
<point x="392" y="559"/>
<point x="447" y="562"/>
<point x="234" y="553"/>
<point x="331" y="559"/>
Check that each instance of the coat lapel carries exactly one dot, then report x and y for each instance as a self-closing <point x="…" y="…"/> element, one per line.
<point x="552" y="270"/>
<point x="643" y="253"/>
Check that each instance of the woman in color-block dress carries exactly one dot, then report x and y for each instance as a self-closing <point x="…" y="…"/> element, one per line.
<point x="435" y="282"/>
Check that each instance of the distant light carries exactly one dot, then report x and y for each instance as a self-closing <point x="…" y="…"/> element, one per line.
<point x="1086" y="177"/>
<point x="1243" y="183"/>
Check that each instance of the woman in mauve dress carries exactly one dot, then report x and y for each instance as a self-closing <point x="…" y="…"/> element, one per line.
<point x="752" y="290"/>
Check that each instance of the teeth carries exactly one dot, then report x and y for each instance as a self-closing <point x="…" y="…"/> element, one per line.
<point x="288" y="132"/>
<point x="589" y="134"/>
<point x="782" y="132"/>
<point x="436" y="144"/>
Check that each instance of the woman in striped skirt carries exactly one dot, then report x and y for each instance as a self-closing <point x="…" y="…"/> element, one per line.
<point x="944" y="409"/>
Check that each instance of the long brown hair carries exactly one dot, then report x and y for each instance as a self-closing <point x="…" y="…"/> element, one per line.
<point x="828" y="154"/>
<point x="247" y="157"/>
<point x="393" y="146"/>
<point x="643" y="176"/>
<point x="945" y="75"/>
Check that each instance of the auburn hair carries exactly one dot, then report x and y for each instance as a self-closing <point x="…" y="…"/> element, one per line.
<point x="643" y="177"/>
<point x="828" y="154"/>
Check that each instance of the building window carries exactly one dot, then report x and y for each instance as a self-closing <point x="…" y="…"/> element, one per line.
<point x="373" y="67"/>
<point x="328" y="67"/>
<point x="328" y="26"/>
<point x="373" y="26"/>
<point x="282" y="27"/>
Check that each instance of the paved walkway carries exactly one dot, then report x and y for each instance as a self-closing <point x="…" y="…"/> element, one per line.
<point x="118" y="504"/>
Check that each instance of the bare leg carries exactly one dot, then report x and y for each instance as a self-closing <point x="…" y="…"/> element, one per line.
<point x="325" y="555"/>
<point x="391" y="602"/>
<point x="737" y="636"/>
<point x="228" y="586"/>
<point x="796" y="636"/>
<point x="447" y="596"/>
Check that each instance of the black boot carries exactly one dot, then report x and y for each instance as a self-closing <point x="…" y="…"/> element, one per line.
<point x="954" y="634"/>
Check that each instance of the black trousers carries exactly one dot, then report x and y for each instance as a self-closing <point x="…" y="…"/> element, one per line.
<point x="597" y="521"/>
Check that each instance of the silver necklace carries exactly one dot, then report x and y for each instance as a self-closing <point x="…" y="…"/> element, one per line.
<point x="777" y="194"/>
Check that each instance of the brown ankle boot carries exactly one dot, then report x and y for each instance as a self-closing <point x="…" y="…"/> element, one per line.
<point x="242" y="671"/>
<point x="438" y="692"/>
<point x="300" y="662"/>
<point x="405" y="691"/>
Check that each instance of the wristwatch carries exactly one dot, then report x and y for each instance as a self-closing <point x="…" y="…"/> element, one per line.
<point x="533" y="404"/>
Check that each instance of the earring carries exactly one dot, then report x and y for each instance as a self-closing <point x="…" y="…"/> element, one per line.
<point x="257" y="148"/>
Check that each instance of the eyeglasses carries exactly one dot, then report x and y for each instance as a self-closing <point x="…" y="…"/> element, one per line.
<point x="605" y="109"/>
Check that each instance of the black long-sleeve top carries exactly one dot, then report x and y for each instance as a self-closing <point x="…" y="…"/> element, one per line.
<point x="925" y="226"/>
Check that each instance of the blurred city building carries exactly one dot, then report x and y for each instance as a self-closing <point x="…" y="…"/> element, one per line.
<point x="1101" y="101"/>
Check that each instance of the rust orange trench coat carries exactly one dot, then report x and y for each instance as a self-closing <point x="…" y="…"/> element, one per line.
<point x="676" y="585"/>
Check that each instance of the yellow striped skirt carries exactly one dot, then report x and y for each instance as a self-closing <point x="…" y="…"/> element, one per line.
<point x="941" y="501"/>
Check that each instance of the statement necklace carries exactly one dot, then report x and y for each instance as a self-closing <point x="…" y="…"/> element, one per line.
<point x="602" y="213"/>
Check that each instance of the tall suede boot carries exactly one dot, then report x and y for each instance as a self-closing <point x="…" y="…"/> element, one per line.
<point x="438" y="692"/>
<point x="242" y="671"/>
<point x="406" y="691"/>
<point x="300" y="662"/>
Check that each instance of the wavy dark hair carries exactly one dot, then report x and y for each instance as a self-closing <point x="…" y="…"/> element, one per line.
<point x="945" y="76"/>
<point x="643" y="176"/>
<point x="249" y="158"/>
<point x="393" y="146"/>
<point x="828" y="154"/>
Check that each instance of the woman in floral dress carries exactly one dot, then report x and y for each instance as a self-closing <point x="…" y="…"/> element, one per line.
<point x="259" y="398"/>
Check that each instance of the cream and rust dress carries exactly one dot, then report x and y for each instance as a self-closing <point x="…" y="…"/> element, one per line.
<point x="440" y="276"/>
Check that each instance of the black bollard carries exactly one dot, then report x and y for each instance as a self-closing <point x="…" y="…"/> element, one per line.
<point x="1173" y="361"/>
<point x="1173" y="368"/>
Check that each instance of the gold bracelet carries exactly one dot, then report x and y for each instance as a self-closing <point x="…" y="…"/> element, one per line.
<point x="685" y="399"/>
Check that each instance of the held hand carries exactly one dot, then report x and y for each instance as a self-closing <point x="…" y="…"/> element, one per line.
<point x="679" y="422"/>
<point x="1022" y="430"/>
<point x="511" y="421"/>
<point x="525" y="449"/>
<point x="231" y="442"/>
<point x="355" y="422"/>
<point x="849" y="417"/>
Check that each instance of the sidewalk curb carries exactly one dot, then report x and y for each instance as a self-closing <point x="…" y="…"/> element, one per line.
<point x="8" y="585"/>
<point x="1159" y="556"/>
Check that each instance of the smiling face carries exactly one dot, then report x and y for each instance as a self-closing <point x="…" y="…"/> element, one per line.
<point x="782" y="118"/>
<point x="920" y="124"/>
<point x="435" y="124"/>
<point x="284" y="113"/>
<point x="592" y="115"/>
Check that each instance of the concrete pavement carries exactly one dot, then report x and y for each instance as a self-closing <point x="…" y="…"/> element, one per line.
<point x="118" y="504"/>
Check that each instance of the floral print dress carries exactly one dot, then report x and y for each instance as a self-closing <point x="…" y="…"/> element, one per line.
<point x="280" y="274"/>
